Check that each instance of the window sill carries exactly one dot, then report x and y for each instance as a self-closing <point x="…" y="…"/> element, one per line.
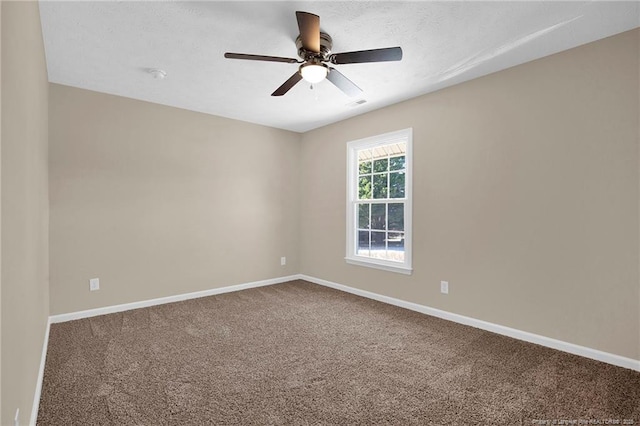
<point x="384" y="266"/>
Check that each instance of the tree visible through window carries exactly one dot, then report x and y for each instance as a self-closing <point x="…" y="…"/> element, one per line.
<point x="379" y="199"/>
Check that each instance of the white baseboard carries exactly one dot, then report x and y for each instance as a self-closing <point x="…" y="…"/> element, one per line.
<point x="169" y="299"/>
<point x="43" y="358"/>
<point x="560" y="345"/>
<point x="586" y="352"/>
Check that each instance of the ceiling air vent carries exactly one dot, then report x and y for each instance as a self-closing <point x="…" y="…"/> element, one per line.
<point x="356" y="103"/>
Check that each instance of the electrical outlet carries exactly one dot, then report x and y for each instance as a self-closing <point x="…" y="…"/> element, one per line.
<point x="444" y="287"/>
<point x="283" y="261"/>
<point x="94" y="284"/>
<point x="16" y="420"/>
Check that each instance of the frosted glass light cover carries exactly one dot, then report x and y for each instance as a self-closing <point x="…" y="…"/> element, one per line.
<point x="313" y="73"/>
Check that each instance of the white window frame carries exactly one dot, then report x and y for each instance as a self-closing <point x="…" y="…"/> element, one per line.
<point x="406" y="136"/>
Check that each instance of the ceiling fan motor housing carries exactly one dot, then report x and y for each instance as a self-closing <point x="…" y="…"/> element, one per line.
<point x="326" y="43"/>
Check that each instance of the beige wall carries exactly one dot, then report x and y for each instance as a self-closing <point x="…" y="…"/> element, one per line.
<point x="638" y="130"/>
<point x="0" y="211"/>
<point x="158" y="201"/>
<point x="25" y="288"/>
<point x="525" y="197"/>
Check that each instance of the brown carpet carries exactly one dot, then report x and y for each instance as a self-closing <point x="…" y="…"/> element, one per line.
<point x="298" y="353"/>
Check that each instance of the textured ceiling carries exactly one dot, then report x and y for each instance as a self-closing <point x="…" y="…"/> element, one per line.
<point x="109" y="47"/>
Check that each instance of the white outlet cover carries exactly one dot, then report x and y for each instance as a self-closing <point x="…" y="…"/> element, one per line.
<point x="444" y="287"/>
<point x="283" y="261"/>
<point x="94" y="284"/>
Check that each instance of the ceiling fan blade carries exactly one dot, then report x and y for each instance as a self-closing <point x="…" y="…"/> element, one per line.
<point x="360" y="56"/>
<point x="343" y="83"/>
<point x="309" y="25"/>
<point x="260" y="58"/>
<point x="288" y="84"/>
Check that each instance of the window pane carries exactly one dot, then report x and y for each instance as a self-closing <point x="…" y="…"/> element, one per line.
<point x="395" y="245"/>
<point x="363" y="216"/>
<point x="380" y="186"/>
<point x="363" y="243"/>
<point x="381" y="165"/>
<point x="396" y="163"/>
<point x="396" y="185"/>
<point x="364" y="187"/>
<point x="378" y="216"/>
<point x="378" y="245"/>
<point x="396" y="217"/>
<point x="364" y="167"/>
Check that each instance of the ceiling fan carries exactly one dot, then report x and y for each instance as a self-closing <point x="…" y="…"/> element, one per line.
<point x="314" y="48"/>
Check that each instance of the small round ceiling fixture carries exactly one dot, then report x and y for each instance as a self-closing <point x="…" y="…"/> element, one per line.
<point x="157" y="74"/>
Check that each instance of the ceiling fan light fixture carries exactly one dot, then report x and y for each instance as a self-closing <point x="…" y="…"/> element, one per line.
<point x="313" y="73"/>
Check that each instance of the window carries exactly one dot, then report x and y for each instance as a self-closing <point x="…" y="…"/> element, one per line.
<point x="379" y="202"/>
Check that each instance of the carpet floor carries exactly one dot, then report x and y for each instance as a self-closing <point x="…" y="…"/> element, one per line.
<point x="299" y="353"/>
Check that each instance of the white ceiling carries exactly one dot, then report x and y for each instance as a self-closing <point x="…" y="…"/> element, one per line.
<point x="109" y="47"/>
